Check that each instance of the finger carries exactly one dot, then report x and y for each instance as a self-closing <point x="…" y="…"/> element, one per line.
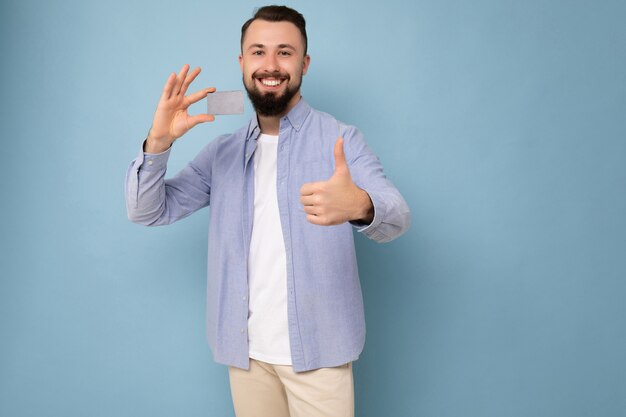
<point x="199" y="118"/>
<point x="308" y="188"/>
<point x="320" y="221"/>
<point x="310" y="210"/>
<point x="197" y="96"/>
<point x="341" y="167"/>
<point x="189" y="79"/>
<point x="169" y="85"/>
<point x="180" y="78"/>
<point x="309" y="200"/>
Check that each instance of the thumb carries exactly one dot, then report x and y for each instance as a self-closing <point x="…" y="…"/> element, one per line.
<point x="199" y="118"/>
<point x="341" y="167"/>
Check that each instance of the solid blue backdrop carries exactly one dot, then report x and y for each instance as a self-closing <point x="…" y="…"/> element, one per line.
<point x="502" y="123"/>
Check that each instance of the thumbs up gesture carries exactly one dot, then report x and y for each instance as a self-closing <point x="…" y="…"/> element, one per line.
<point x="338" y="199"/>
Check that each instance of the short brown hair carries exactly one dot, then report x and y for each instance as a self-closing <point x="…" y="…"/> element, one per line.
<point x="278" y="14"/>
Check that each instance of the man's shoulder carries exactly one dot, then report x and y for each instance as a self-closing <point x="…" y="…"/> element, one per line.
<point x="322" y="115"/>
<point x="240" y="134"/>
<point x="328" y="121"/>
<point x="228" y="139"/>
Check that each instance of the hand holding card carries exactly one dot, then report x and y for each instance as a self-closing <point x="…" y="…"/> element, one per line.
<point x="172" y="119"/>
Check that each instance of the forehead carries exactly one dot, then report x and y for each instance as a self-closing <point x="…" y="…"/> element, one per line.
<point x="273" y="34"/>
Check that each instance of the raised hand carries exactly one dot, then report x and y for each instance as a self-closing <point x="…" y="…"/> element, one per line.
<point x="171" y="119"/>
<point x="338" y="199"/>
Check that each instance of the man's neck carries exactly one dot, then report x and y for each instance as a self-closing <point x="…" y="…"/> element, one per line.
<point x="270" y="125"/>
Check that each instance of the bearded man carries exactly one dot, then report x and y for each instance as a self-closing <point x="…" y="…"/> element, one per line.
<point x="284" y="304"/>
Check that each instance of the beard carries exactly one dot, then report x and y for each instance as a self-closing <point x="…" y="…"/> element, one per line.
<point x="270" y="103"/>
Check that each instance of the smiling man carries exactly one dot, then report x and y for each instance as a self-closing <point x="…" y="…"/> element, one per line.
<point x="286" y="191"/>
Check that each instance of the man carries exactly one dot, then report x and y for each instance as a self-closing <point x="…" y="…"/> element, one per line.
<point x="284" y="309"/>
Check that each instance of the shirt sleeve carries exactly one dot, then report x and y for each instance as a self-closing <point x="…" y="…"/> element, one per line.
<point x="151" y="200"/>
<point x="392" y="216"/>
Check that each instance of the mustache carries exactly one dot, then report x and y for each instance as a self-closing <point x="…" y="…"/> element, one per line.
<point x="276" y="74"/>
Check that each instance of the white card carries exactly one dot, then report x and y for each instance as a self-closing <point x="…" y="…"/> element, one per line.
<point x="225" y="102"/>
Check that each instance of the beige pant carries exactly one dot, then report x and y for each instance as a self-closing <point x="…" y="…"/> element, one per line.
<point x="277" y="391"/>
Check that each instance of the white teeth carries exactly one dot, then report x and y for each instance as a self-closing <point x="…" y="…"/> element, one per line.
<point x="270" y="83"/>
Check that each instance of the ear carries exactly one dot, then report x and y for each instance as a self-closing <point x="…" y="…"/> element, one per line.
<point x="241" y="62"/>
<point x="305" y="64"/>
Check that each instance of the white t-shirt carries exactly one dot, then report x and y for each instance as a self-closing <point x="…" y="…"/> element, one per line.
<point x="268" y="329"/>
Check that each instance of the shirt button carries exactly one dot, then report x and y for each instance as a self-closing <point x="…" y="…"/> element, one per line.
<point x="150" y="162"/>
<point x="243" y="331"/>
<point x="244" y="298"/>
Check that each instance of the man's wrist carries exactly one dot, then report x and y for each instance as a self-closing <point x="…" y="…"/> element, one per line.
<point x="153" y="147"/>
<point x="366" y="208"/>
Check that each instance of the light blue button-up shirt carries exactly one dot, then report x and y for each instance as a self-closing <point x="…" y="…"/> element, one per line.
<point x="325" y="305"/>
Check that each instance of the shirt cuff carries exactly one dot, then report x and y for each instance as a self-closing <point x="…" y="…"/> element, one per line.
<point x="370" y="230"/>
<point x="153" y="161"/>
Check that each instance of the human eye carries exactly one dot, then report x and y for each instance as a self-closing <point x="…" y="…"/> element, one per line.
<point x="284" y="53"/>
<point x="257" y="52"/>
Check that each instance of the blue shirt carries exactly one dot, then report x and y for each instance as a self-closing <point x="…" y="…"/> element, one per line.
<point x="325" y="304"/>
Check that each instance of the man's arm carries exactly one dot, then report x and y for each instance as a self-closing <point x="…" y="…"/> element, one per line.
<point x="150" y="200"/>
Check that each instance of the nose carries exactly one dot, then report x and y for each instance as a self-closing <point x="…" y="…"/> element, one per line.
<point x="271" y="63"/>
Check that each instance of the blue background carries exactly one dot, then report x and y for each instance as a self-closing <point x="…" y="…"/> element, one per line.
<point x="502" y="123"/>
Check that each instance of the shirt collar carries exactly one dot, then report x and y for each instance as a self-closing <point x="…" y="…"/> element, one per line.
<point x="295" y="117"/>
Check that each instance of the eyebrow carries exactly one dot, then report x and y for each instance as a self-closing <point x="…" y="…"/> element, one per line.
<point x="280" y="46"/>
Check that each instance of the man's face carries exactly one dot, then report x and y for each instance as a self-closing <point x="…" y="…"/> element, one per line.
<point x="273" y="62"/>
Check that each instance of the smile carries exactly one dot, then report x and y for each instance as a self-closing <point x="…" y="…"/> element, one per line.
<point x="271" y="82"/>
